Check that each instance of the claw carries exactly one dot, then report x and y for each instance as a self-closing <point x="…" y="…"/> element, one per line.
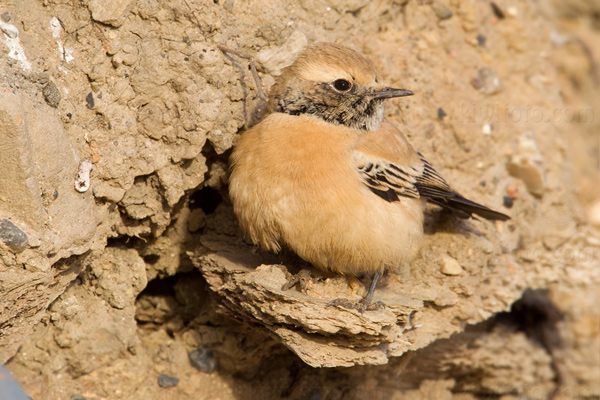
<point x="299" y="279"/>
<point x="365" y="303"/>
<point x="361" y="306"/>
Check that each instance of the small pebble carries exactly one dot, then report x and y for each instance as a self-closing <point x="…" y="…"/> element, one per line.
<point x="89" y="100"/>
<point x="443" y="12"/>
<point x="51" y="94"/>
<point x="441" y="113"/>
<point x="450" y="266"/>
<point x="486" y="129"/>
<point x="476" y="83"/>
<point x="202" y="359"/>
<point x="228" y="5"/>
<point x="481" y="40"/>
<point x="12" y="236"/>
<point x="512" y="191"/>
<point x="489" y="82"/>
<point x="166" y="381"/>
<point x="508" y="201"/>
<point x="78" y="397"/>
<point x="497" y="11"/>
<point x="528" y="165"/>
<point x="485" y="245"/>
<point x="6" y="17"/>
<point x="82" y="178"/>
<point x="9" y="30"/>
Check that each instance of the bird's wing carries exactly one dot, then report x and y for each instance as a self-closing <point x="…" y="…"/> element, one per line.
<point x="391" y="168"/>
<point x="386" y="179"/>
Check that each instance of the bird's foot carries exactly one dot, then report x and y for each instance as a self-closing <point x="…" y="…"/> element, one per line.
<point x="300" y="279"/>
<point x="362" y="305"/>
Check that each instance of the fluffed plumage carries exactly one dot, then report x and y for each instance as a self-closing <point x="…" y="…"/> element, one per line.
<point x="324" y="174"/>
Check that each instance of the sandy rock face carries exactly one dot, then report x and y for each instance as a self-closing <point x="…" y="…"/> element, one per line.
<point x="44" y="221"/>
<point x="111" y="12"/>
<point x="120" y="255"/>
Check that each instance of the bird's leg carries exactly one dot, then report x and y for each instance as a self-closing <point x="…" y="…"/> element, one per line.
<point x="367" y="299"/>
<point x="365" y="303"/>
<point x="254" y="118"/>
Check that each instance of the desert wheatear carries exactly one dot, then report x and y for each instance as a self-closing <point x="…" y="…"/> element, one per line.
<point x="326" y="175"/>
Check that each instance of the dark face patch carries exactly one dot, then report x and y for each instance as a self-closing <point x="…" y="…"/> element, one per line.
<point x="354" y="108"/>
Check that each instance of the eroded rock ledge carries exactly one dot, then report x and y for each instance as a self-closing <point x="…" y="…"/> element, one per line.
<point x="421" y="304"/>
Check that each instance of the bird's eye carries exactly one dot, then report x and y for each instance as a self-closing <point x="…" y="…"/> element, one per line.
<point x="342" y="85"/>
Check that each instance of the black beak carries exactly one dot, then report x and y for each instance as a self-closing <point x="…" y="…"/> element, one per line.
<point x="388" y="93"/>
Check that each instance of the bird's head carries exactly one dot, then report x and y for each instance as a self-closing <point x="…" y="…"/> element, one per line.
<point x="334" y="83"/>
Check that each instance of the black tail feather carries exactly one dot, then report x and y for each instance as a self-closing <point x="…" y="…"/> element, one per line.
<point x="466" y="208"/>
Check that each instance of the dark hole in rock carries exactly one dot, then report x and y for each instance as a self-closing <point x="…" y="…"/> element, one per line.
<point x="121" y="241"/>
<point x="534" y="314"/>
<point x="151" y="259"/>
<point x="160" y="287"/>
<point x="208" y="199"/>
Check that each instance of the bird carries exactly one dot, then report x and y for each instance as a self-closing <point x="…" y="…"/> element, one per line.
<point x="326" y="175"/>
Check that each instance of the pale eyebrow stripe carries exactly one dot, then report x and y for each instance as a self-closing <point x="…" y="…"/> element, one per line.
<point x="320" y="72"/>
